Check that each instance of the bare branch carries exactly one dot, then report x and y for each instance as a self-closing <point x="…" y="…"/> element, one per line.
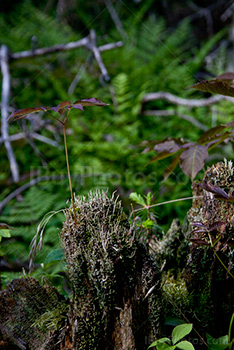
<point x="4" y="111"/>
<point x="34" y="135"/>
<point x="115" y="18"/>
<point x="96" y="53"/>
<point x="44" y="139"/>
<point x="62" y="47"/>
<point x="110" y="46"/>
<point x="166" y="113"/>
<point x="161" y="95"/>
<point x="79" y="74"/>
<point x="46" y="50"/>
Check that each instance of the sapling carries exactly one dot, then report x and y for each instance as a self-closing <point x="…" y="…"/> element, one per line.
<point x="63" y="110"/>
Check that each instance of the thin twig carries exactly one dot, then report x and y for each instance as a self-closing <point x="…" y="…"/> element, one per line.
<point x="68" y="172"/>
<point x="115" y="18"/>
<point x="221" y="262"/>
<point x="62" y="47"/>
<point x="186" y="319"/>
<point x="33" y="135"/>
<point x="168" y="202"/>
<point x="162" y="95"/>
<point x="4" y="112"/>
<point x="165" y="113"/>
<point x="79" y="74"/>
<point x="47" y="50"/>
<point x="93" y="47"/>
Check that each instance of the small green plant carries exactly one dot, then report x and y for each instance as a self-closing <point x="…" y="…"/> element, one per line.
<point x="147" y="213"/>
<point x="223" y="342"/>
<point x="63" y="109"/>
<point x="178" y="333"/>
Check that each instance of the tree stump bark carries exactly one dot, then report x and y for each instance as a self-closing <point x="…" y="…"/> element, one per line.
<point x="115" y="284"/>
<point x="208" y="281"/>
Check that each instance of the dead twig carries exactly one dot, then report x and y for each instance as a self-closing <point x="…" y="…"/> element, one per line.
<point x="162" y="95"/>
<point x="4" y="112"/>
<point x="166" y="113"/>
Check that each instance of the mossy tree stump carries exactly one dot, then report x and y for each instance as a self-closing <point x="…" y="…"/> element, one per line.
<point x="115" y="284"/>
<point x="209" y="283"/>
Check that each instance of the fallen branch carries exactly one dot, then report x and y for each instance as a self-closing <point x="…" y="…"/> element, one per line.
<point x="115" y="17"/>
<point x="4" y="112"/>
<point x="161" y="95"/>
<point x="62" y="47"/>
<point x="34" y="135"/>
<point x="93" y="47"/>
<point x="166" y="113"/>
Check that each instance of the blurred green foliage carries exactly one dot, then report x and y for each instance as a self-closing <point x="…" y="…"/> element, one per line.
<point x="103" y="143"/>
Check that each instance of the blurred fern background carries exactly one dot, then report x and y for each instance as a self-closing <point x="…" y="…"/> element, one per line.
<point x="104" y="152"/>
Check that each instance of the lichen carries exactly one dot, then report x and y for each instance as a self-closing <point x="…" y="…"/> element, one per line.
<point x="110" y="271"/>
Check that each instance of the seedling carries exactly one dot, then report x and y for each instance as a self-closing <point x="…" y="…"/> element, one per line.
<point x="178" y="333"/>
<point x="63" y="110"/>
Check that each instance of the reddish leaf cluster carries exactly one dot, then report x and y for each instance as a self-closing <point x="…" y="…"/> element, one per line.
<point x="201" y="230"/>
<point x="191" y="156"/>
<point x="218" y="192"/>
<point x="223" y="85"/>
<point x="61" y="108"/>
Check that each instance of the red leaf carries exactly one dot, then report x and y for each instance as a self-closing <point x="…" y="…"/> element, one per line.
<point x="22" y="113"/>
<point x="219" y="192"/>
<point x="199" y="241"/>
<point x="91" y="102"/>
<point x="226" y="76"/>
<point x="169" y="146"/>
<point x="192" y="160"/>
<point x="222" y="85"/>
<point x="61" y="106"/>
<point x="217" y="224"/>
<point x="198" y="224"/>
<point x="78" y="106"/>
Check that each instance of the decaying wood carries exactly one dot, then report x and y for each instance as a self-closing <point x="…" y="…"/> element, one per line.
<point x="23" y="303"/>
<point x="206" y="277"/>
<point x="115" y="284"/>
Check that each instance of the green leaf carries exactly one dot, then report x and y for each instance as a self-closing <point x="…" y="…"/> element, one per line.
<point x="148" y="223"/>
<point x="162" y="340"/>
<point x="217" y="344"/>
<point x="185" y="345"/>
<point x="149" y="198"/>
<point x="5" y="233"/>
<point x="170" y="321"/>
<point x="54" y="255"/>
<point x="181" y="331"/>
<point x="137" y="198"/>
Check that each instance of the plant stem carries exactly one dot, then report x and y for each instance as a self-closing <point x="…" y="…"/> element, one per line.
<point x="68" y="171"/>
<point x="221" y="262"/>
<point x="168" y="202"/>
<point x="230" y="331"/>
<point x="60" y="121"/>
